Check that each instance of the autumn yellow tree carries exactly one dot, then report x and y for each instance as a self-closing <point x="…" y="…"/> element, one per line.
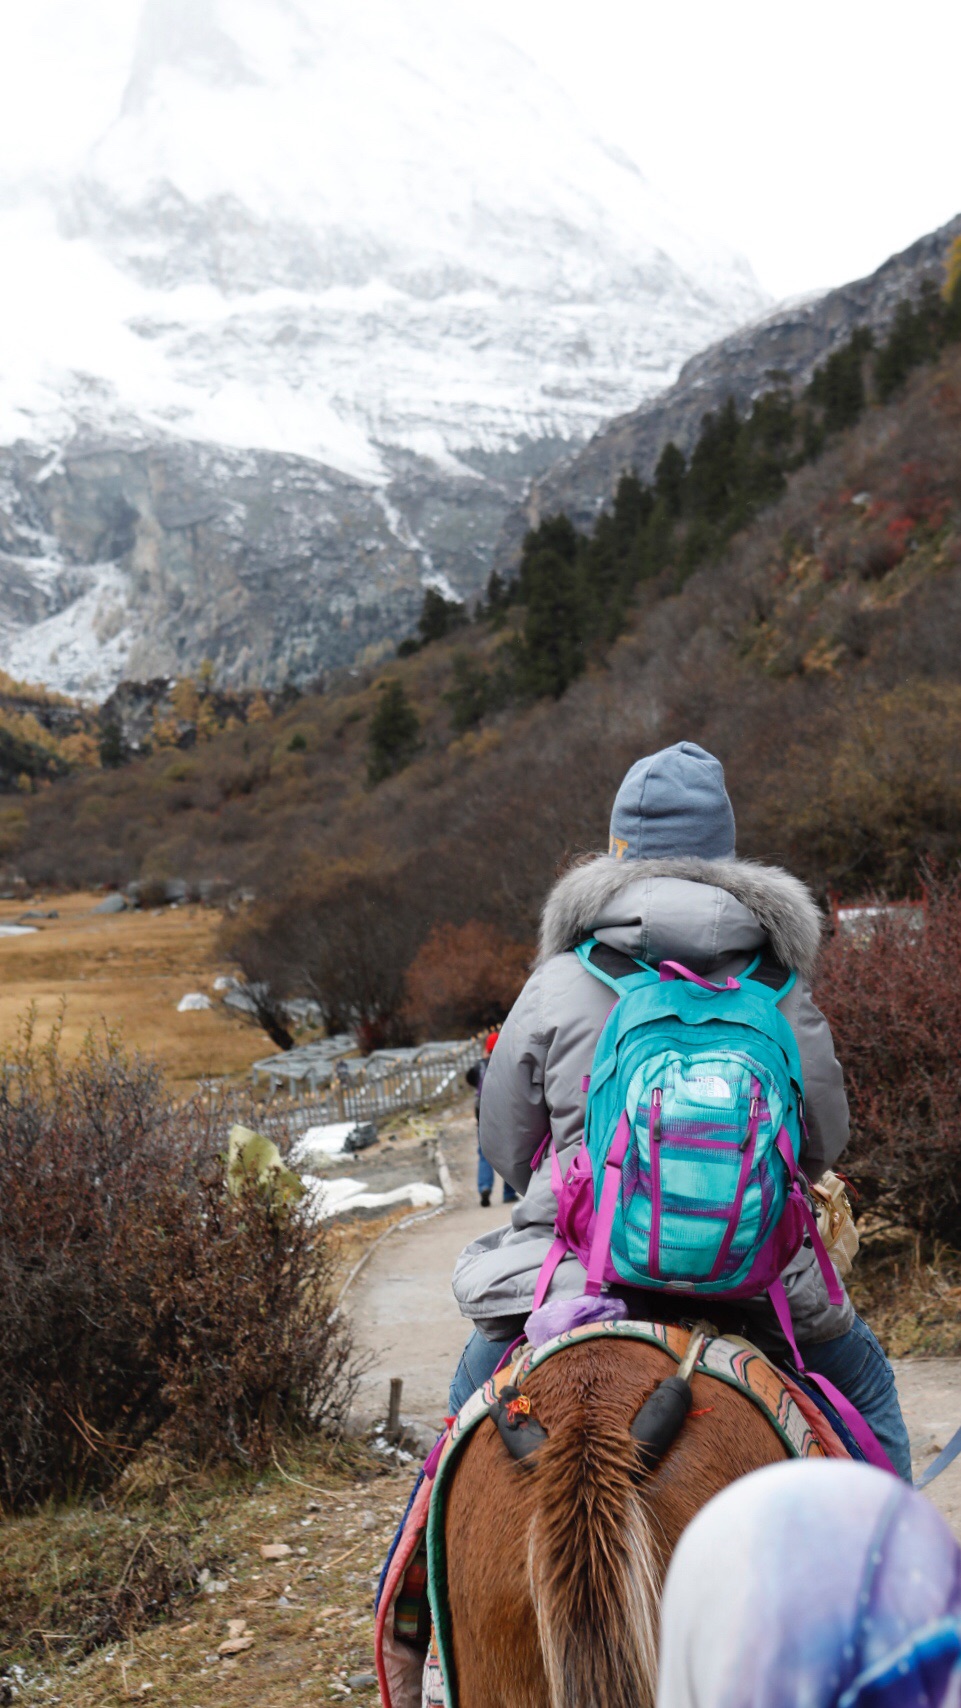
<point x="208" y="723"/>
<point x="258" y="711"/>
<point x="164" y="732"/>
<point x="186" y="700"/>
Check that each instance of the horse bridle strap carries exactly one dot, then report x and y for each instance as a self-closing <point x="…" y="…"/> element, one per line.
<point x="517" y="1426"/>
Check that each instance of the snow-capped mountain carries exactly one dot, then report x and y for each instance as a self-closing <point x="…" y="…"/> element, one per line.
<point x="360" y="249"/>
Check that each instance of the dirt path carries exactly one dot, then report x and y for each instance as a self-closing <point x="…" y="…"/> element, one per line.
<point x="409" y="1326"/>
<point x="403" y="1310"/>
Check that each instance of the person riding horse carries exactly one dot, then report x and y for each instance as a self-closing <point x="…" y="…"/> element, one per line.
<point x="669" y="887"/>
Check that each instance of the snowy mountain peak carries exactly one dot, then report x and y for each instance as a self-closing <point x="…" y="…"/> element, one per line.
<point x="369" y="235"/>
<point x="186" y="35"/>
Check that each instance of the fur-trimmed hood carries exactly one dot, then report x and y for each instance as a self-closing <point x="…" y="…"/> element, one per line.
<point x="744" y="903"/>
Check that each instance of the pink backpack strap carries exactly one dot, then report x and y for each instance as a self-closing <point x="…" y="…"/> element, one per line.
<point x="548" y="1271"/>
<point x="560" y="1247"/>
<point x="538" y="1156"/>
<point x="863" y="1433"/>
<point x="835" y="1290"/>
<point x="601" y="1241"/>
<point x="675" y="970"/>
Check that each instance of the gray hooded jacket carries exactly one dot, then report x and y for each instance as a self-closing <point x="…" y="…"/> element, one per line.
<point x="714" y="915"/>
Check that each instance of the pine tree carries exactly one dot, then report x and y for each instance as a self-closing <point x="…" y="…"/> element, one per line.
<point x="438" y="616"/>
<point x="394" y="729"/>
<point x="496" y="600"/>
<point x="113" y="749"/>
<point x="669" y="478"/>
<point x="712" y="475"/>
<point x="916" y="334"/>
<point x="838" y="384"/>
<point x="556" y="534"/>
<point x="469" y="693"/>
<point x="552" y="653"/>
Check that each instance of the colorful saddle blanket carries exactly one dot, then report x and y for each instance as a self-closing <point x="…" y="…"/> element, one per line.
<point x="414" y="1653"/>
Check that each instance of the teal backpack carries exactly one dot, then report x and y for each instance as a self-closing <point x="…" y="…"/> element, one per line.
<point x="687" y="1181"/>
<point x="688" y="1176"/>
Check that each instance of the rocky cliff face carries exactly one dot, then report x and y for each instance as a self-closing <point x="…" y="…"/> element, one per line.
<point x="792" y="341"/>
<point x="293" y="336"/>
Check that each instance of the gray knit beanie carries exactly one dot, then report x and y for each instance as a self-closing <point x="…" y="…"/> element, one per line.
<point x="674" y="802"/>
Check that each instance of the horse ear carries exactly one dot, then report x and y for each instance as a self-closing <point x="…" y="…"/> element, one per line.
<point x="517" y="1426"/>
<point x="661" y="1419"/>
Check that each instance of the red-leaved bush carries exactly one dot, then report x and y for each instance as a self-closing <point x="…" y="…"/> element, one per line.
<point x="893" y="999"/>
<point x="464" y="977"/>
<point x="138" y="1299"/>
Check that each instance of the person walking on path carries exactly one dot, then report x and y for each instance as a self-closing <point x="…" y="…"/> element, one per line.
<point x="485" y="1174"/>
<point x="669" y="887"/>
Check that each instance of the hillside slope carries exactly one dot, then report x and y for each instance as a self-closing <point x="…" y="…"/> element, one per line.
<point x="792" y="342"/>
<point x="819" y="658"/>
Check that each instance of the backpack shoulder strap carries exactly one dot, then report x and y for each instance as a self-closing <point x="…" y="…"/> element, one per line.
<point x="612" y="966"/>
<point x="775" y="978"/>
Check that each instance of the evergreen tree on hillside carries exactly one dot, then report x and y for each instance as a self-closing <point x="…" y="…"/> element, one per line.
<point x="469" y="694"/>
<point x="438" y="616"/>
<point x="669" y="478"/>
<point x="394" y="729"/>
<point x="712" y="475"/>
<point x="838" y="384"/>
<point x="496" y="598"/>
<point x="552" y="653"/>
<point x="113" y="749"/>
<point x="554" y="534"/>
<point x="916" y="335"/>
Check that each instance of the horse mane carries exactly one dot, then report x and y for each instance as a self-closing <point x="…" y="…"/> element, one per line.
<point x="593" y="1559"/>
<point x="555" y="1566"/>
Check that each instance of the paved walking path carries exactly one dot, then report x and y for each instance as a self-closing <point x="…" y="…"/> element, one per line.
<point x="405" y="1319"/>
<point x="407" y="1324"/>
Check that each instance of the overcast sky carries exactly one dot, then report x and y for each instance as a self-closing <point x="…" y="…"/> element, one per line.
<point x="815" y="138"/>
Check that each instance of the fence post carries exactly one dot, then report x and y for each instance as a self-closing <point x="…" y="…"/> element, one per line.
<point x="393" y="1409"/>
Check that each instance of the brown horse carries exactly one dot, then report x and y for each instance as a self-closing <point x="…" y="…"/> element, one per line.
<point x="556" y="1565"/>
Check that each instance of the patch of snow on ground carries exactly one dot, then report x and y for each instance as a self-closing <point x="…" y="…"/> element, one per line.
<point x="334" y="1197"/>
<point x="193" y="1002"/>
<point x="320" y="1141"/>
<point x="18" y="930"/>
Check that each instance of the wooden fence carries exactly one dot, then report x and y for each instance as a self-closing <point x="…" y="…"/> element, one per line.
<point x="410" y="1085"/>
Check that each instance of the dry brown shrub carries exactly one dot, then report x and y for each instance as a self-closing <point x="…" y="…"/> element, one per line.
<point x="893" y="1000"/>
<point x="137" y="1299"/>
<point x="464" y="977"/>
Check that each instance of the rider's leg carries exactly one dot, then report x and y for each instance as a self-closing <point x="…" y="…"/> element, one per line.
<point x="485" y="1175"/>
<point x="478" y="1361"/>
<point x="855" y="1363"/>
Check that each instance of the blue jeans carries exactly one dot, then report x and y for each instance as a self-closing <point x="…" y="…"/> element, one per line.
<point x="478" y="1361"/>
<point x="854" y="1362"/>
<point x="485" y="1178"/>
